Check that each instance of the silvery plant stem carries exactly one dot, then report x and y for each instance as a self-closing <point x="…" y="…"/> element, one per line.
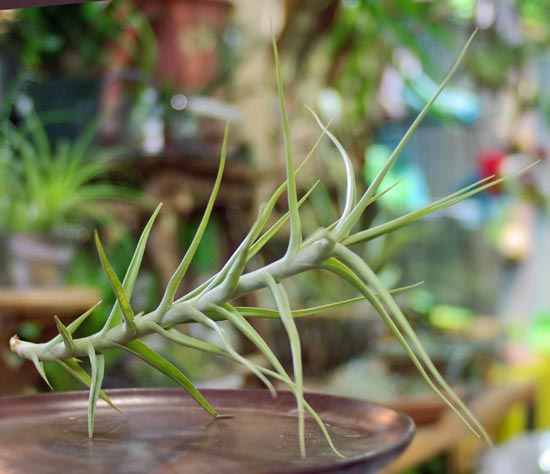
<point x="307" y="258"/>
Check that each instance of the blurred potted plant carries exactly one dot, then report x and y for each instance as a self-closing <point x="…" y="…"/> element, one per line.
<point x="49" y="193"/>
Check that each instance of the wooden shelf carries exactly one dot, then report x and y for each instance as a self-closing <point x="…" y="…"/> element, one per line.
<point x="38" y="305"/>
<point x="41" y="303"/>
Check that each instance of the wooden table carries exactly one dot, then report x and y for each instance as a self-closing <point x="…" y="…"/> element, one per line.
<point x="36" y="306"/>
<point x="447" y="433"/>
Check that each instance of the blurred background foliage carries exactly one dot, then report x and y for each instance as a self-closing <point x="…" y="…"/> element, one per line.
<point x="356" y="48"/>
<point x="368" y="66"/>
<point x="72" y="40"/>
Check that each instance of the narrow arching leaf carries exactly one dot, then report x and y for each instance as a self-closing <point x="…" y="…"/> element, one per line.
<point x="120" y="294"/>
<point x="281" y="300"/>
<point x="438" y="205"/>
<point x="154" y="359"/>
<point x="346" y="273"/>
<point x="187" y="341"/>
<point x="251" y="334"/>
<point x="370" y="277"/>
<point x="255" y="312"/>
<point x="233" y="270"/>
<point x="350" y="174"/>
<point x="97" y="362"/>
<point x="207" y="322"/>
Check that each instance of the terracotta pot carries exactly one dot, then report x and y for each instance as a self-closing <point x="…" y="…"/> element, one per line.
<point x="165" y="431"/>
<point x="189" y="33"/>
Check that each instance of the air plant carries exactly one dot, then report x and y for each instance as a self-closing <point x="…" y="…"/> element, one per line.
<point x="327" y="249"/>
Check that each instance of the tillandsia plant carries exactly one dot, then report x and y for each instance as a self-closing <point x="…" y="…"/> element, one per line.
<point x="210" y="303"/>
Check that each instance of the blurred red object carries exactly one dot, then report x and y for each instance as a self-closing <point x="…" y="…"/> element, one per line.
<point x="489" y="163"/>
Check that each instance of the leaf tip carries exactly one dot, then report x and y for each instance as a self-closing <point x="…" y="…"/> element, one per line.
<point x="224" y="417"/>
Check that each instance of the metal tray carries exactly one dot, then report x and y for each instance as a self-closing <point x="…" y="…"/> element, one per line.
<point x="164" y="431"/>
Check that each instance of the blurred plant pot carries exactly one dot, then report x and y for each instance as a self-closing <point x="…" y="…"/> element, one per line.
<point x="327" y="341"/>
<point x="41" y="259"/>
<point x="189" y="34"/>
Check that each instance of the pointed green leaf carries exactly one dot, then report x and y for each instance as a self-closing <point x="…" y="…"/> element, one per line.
<point x="346" y="273"/>
<point x="373" y="188"/>
<point x="154" y="359"/>
<point x="267" y="235"/>
<point x="442" y="203"/>
<point x="133" y="269"/>
<point x="256" y="312"/>
<point x="72" y="327"/>
<point x="283" y="305"/>
<point x="238" y="320"/>
<point x="187" y="341"/>
<point x="295" y="239"/>
<point x="237" y="262"/>
<point x="120" y="294"/>
<point x="40" y="369"/>
<point x="65" y="334"/>
<point x="72" y="368"/>
<point x="97" y="362"/>
<point x="176" y="279"/>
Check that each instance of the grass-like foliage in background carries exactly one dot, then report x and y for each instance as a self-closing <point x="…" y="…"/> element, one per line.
<point x="326" y="249"/>
<point x="47" y="185"/>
